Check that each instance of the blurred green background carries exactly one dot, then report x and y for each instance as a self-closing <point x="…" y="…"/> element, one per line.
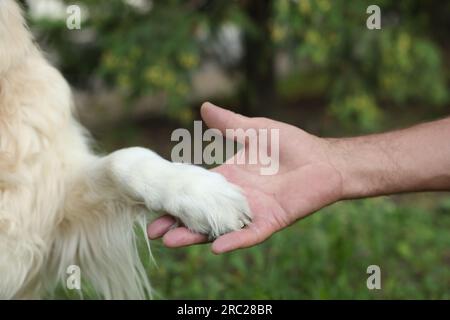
<point x="141" y="68"/>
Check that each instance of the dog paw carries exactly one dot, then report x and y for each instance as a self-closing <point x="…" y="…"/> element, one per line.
<point x="203" y="200"/>
<point x="206" y="202"/>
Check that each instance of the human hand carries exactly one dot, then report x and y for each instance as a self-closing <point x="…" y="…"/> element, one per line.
<point x="306" y="181"/>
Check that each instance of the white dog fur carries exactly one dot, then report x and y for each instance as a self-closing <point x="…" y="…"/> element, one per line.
<point x="62" y="205"/>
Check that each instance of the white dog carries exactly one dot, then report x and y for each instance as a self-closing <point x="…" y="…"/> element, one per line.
<point x="62" y="205"/>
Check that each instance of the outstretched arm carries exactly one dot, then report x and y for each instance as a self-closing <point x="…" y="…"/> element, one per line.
<point x="315" y="172"/>
<point x="408" y="160"/>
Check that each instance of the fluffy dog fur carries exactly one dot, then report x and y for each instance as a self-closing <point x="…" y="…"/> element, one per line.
<point x="62" y="205"/>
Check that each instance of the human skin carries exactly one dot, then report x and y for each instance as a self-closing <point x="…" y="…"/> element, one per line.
<point x="316" y="172"/>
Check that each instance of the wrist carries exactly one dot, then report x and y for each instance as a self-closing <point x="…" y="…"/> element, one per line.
<point x="365" y="167"/>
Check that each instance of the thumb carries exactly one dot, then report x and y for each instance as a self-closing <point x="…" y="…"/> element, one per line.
<point x="222" y="119"/>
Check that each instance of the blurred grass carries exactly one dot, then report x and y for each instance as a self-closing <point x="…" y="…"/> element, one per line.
<point x="322" y="257"/>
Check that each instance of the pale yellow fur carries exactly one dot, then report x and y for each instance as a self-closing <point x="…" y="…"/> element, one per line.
<point x="62" y="205"/>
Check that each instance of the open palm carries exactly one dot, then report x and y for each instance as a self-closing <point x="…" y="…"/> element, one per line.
<point x="304" y="183"/>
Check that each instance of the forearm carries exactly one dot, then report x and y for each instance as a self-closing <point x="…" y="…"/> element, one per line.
<point x="414" y="159"/>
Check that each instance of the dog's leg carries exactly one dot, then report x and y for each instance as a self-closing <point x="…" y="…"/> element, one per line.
<point x="203" y="200"/>
<point x="107" y="196"/>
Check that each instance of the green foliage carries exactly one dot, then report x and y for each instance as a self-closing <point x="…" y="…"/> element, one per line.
<point x="359" y="108"/>
<point x="152" y="53"/>
<point x="365" y="67"/>
<point x="156" y="51"/>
